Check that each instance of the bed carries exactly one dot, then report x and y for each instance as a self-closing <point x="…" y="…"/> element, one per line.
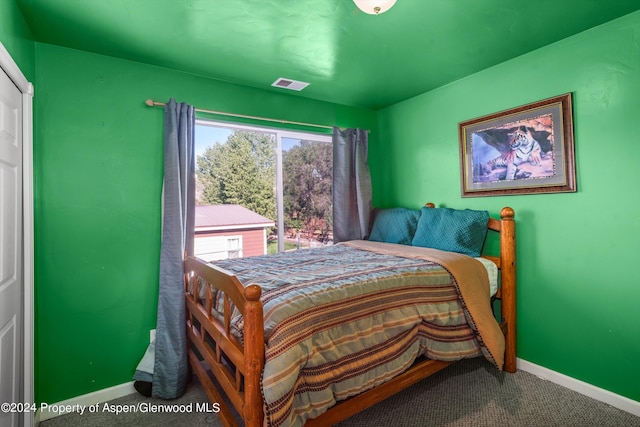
<point x="387" y="316"/>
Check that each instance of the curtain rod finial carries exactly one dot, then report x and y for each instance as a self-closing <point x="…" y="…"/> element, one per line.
<point x="149" y="102"/>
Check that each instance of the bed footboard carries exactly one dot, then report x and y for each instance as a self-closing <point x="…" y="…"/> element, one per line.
<point x="236" y="367"/>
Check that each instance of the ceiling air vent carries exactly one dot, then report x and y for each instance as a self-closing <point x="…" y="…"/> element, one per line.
<point x="289" y="84"/>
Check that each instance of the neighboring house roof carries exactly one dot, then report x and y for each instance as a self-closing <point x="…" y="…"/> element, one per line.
<point x="224" y="217"/>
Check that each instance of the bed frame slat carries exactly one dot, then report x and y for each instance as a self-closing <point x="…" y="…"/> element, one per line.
<point x="220" y="372"/>
<point x="346" y="408"/>
<point x="225" y="414"/>
<point x="229" y="345"/>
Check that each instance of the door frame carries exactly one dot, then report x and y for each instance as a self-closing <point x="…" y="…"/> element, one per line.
<point x="25" y="87"/>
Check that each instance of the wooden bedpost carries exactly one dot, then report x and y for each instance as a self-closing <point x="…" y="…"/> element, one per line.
<point x="508" y="271"/>
<point x="253" y="356"/>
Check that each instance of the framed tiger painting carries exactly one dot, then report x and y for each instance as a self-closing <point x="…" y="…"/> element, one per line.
<point x="523" y="150"/>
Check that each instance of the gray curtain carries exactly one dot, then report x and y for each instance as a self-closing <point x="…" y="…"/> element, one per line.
<point x="351" y="185"/>
<point x="165" y="363"/>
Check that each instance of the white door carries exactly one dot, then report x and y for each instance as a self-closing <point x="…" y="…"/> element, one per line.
<point x="11" y="280"/>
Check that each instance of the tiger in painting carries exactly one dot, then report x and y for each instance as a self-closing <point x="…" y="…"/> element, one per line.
<point x="523" y="148"/>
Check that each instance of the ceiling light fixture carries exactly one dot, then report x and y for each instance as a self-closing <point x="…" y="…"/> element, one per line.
<point x="374" y="7"/>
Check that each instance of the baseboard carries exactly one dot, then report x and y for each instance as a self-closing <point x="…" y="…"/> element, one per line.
<point x="615" y="400"/>
<point x="86" y="400"/>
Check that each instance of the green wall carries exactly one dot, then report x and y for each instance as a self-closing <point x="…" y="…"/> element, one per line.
<point x="578" y="287"/>
<point x="16" y="37"/>
<point x="98" y="170"/>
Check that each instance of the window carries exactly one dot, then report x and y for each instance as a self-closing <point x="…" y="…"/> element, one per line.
<point x="279" y="181"/>
<point x="233" y="248"/>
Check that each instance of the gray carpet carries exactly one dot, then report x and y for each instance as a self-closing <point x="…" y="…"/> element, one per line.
<point x="467" y="393"/>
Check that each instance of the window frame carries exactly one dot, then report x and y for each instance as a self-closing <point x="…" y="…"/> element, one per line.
<point x="238" y="250"/>
<point x="279" y="133"/>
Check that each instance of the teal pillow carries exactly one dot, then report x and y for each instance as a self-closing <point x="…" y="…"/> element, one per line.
<point x="452" y="230"/>
<point x="394" y="225"/>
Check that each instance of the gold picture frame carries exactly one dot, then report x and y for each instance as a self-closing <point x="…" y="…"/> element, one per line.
<point x="523" y="150"/>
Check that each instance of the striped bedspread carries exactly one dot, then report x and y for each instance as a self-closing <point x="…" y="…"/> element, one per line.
<point x="342" y="319"/>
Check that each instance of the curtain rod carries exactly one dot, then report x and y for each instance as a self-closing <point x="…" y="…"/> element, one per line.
<point x="152" y="103"/>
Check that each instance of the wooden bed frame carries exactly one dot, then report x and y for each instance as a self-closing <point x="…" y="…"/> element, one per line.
<point x="237" y="368"/>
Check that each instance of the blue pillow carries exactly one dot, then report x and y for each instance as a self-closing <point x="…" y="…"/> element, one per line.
<point x="395" y="225"/>
<point x="452" y="230"/>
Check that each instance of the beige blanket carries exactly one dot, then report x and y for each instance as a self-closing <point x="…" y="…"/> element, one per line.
<point x="473" y="286"/>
